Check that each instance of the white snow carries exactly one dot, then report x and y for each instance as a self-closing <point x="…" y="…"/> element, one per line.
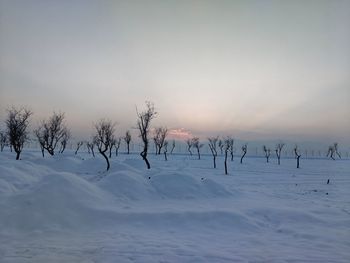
<point x="67" y="209"/>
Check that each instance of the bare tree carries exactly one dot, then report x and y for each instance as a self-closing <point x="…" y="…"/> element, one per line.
<point x="278" y="150"/>
<point x="226" y="144"/>
<point x="3" y="140"/>
<point x="117" y="145"/>
<point x="165" y="150"/>
<point x="297" y="154"/>
<point x="143" y="123"/>
<point x="159" y="138"/>
<point x="221" y="146"/>
<point x="17" y="123"/>
<point x="335" y="145"/>
<point x="90" y="146"/>
<point x="66" y="136"/>
<point x="79" y="144"/>
<point x="231" y="149"/>
<point x="172" y="147"/>
<point x="51" y="132"/>
<point x="212" y="146"/>
<point x="244" y="151"/>
<point x="103" y="137"/>
<point x="111" y="145"/>
<point x="267" y="152"/>
<point x="39" y="134"/>
<point x="127" y="139"/>
<point x="189" y="143"/>
<point x="196" y="144"/>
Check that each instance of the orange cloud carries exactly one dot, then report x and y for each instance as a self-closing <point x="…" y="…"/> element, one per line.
<point x="179" y="134"/>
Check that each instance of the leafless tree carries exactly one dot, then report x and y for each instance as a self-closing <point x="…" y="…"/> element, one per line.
<point x="143" y="123"/>
<point x="127" y="139"/>
<point x="103" y="137"/>
<point x="39" y="134"/>
<point x="297" y="155"/>
<point x="165" y="150"/>
<point x="172" y="147"/>
<point x="51" y="132"/>
<point x="212" y="146"/>
<point x="90" y="146"/>
<point x="79" y="144"/>
<point x="196" y="144"/>
<point x="66" y="136"/>
<point x="111" y="145"/>
<point x="117" y="145"/>
<point x="278" y="150"/>
<point x="332" y="150"/>
<point x="335" y="145"/>
<point x="231" y="149"/>
<point x="159" y="138"/>
<point x="221" y="146"/>
<point x="226" y="144"/>
<point x="17" y="123"/>
<point x="244" y="151"/>
<point x="3" y="140"/>
<point x="267" y="152"/>
<point x="189" y="143"/>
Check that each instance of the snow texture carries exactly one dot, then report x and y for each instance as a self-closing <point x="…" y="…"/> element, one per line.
<point x="66" y="208"/>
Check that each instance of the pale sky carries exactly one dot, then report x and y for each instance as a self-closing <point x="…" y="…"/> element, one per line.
<point x="253" y="69"/>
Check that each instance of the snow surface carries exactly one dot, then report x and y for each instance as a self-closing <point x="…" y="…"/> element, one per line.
<point x="67" y="209"/>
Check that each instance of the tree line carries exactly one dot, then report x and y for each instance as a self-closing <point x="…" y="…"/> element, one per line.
<point x="53" y="135"/>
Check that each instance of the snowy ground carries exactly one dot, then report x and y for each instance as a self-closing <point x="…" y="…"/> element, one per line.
<point x="64" y="209"/>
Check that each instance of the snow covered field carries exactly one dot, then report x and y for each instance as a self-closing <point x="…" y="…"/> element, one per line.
<point x="66" y="209"/>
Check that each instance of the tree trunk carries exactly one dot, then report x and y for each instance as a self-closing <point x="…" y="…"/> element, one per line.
<point x="214" y="158"/>
<point x="243" y="157"/>
<point x="226" y="163"/>
<point x="165" y="156"/>
<point x="199" y="154"/>
<point x="106" y="158"/>
<point x="128" y="144"/>
<point x="17" y="155"/>
<point x="144" y="157"/>
<point x="298" y="157"/>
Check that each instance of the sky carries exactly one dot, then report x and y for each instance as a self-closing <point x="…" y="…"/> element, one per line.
<point x="252" y="69"/>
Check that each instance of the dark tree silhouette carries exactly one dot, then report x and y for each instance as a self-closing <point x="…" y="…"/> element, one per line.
<point x="143" y="124"/>
<point x="117" y="145"/>
<point x="165" y="150"/>
<point x="66" y="136"/>
<point x="39" y="134"/>
<point x="226" y="143"/>
<point x="231" y="149"/>
<point x="189" y="143"/>
<point x="111" y="145"/>
<point x="267" y="152"/>
<point x="79" y="144"/>
<point x="244" y="151"/>
<point x="127" y="139"/>
<point x="103" y="137"/>
<point x="196" y="144"/>
<point x="297" y="155"/>
<point x="278" y="150"/>
<point x="332" y="150"/>
<point x="212" y="146"/>
<point x="90" y="146"/>
<point x="221" y="146"/>
<point x="172" y="147"/>
<point x="17" y="123"/>
<point x="51" y="132"/>
<point x="3" y="140"/>
<point x="159" y="138"/>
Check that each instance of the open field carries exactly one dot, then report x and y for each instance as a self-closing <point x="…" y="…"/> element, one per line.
<point x="67" y="209"/>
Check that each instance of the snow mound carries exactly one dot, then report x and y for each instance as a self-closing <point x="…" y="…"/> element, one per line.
<point x="185" y="186"/>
